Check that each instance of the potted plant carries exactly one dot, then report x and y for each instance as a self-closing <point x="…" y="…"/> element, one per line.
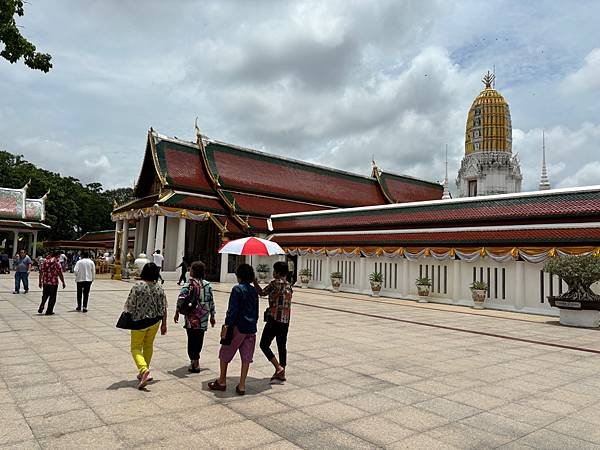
<point x="263" y="271"/>
<point x="423" y="286"/>
<point x="376" y="279"/>
<point x="579" y="306"/>
<point x="305" y="276"/>
<point x="336" y="281"/>
<point x="479" y="292"/>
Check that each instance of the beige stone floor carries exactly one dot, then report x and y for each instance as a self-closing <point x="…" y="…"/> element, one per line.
<point x="363" y="373"/>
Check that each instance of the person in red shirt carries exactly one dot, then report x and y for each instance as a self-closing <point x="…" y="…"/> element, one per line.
<point x="50" y="272"/>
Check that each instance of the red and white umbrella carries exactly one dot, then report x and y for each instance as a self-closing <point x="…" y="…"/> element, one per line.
<point x="252" y="246"/>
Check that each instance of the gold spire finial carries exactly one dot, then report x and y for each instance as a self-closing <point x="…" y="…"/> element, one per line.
<point x="374" y="168"/>
<point x="488" y="80"/>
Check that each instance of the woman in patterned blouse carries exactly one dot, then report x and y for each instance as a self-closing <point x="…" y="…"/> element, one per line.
<point x="147" y="304"/>
<point x="196" y="291"/>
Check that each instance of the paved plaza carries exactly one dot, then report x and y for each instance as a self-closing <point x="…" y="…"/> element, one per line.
<point x="363" y="373"/>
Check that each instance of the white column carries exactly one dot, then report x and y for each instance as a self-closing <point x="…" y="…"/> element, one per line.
<point x="160" y="234"/>
<point x="151" y="235"/>
<point x="520" y="291"/>
<point x="34" y="251"/>
<point x="224" y="268"/>
<point x="456" y="280"/>
<point x="363" y="275"/>
<point x="136" y="239"/>
<point x="15" y="243"/>
<point x="405" y="277"/>
<point x="124" y="243"/>
<point x="180" y="241"/>
<point x="118" y="226"/>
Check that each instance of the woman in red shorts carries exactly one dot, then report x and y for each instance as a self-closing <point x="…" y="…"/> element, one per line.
<point x="242" y="315"/>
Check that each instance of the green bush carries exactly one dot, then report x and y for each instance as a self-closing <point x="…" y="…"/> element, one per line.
<point x="579" y="272"/>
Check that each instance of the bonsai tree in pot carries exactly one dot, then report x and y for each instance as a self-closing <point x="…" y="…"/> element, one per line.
<point x="336" y="281"/>
<point x="479" y="292"/>
<point x="376" y="279"/>
<point x="579" y="306"/>
<point x="423" y="287"/>
<point x="305" y="276"/>
<point x="263" y="271"/>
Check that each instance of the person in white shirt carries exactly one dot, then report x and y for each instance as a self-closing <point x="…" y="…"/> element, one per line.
<point x="158" y="260"/>
<point x="85" y="271"/>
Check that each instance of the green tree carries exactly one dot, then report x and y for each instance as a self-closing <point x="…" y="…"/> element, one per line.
<point x="16" y="46"/>
<point x="120" y="196"/>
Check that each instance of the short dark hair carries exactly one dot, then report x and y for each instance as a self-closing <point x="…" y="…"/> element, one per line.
<point x="245" y="273"/>
<point x="85" y="254"/>
<point x="197" y="269"/>
<point x="157" y="251"/>
<point x="150" y="272"/>
<point x="281" y="268"/>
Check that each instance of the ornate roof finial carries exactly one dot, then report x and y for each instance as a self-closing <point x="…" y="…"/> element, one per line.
<point x="375" y="172"/>
<point x="544" y="180"/>
<point x="488" y="79"/>
<point x="446" y="193"/>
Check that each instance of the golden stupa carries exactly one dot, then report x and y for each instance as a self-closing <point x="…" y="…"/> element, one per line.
<point x="489" y="126"/>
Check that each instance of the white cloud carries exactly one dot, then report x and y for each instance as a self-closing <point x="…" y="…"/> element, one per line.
<point x="587" y="78"/>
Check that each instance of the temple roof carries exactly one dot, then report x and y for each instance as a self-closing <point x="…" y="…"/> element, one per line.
<point x="18" y="211"/>
<point x="248" y="186"/>
<point x="561" y="215"/>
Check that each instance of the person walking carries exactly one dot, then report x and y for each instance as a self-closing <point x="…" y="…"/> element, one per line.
<point x="22" y="268"/>
<point x="196" y="302"/>
<point x="184" y="269"/>
<point x="85" y="272"/>
<point x="159" y="260"/>
<point x="277" y="317"/>
<point x="240" y="321"/>
<point x="50" y="272"/>
<point x="147" y="305"/>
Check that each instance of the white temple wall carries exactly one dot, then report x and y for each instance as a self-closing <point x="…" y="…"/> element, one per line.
<point x="512" y="286"/>
<point x="170" y="245"/>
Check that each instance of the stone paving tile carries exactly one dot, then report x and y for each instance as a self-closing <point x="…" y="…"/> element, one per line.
<point x="63" y="423"/>
<point x="100" y="438"/>
<point x="51" y="405"/>
<point x="333" y="412"/>
<point x="576" y="428"/>
<point x="526" y="414"/>
<point x="13" y="431"/>
<point x="550" y="440"/>
<point x="494" y="423"/>
<point x="415" y="418"/>
<point x="377" y="430"/>
<point x="239" y="435"/>
<point x="466" y="437"/>
<point x="420" y="441"/>
<point x="447" y="408"/>
<point x="333" y="439"/>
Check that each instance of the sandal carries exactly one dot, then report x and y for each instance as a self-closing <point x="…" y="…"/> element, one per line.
<point x="278" y="375"/>
<point x="239" y="391"/>
<point x="193" y="369"/>
<point x="216" y="386"/>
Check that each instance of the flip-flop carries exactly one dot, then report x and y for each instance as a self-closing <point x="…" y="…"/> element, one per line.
<point x="239" y="391"/>
<point x="216" y="386"/>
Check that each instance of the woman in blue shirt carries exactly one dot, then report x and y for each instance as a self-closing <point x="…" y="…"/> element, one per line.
<point x="242" y="316"/>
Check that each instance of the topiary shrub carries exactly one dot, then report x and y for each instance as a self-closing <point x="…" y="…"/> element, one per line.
<point x="579" y="272"/>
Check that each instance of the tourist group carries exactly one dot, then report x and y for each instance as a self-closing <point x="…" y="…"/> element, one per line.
<point x="146" y="311"/>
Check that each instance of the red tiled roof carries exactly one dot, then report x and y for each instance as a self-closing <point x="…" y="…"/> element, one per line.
<point x="258" y="205"/>
<point x="553" y="206"/>
<point x="407" y="189"/>
<point x="487" y="237"/>
<point x="194" y="203"/>
<point x="261" y="173"/>
<point x="183" y="166"/>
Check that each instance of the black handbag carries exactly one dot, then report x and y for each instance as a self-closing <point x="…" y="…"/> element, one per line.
<point x="126" y="321"/>
<point x="228" y="338"/>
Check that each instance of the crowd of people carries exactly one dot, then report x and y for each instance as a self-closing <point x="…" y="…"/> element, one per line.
<point x="50" y="271"/>
<point x="147" y="309"/>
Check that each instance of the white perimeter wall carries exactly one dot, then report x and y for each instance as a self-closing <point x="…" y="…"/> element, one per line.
<point x="512" y="286"/>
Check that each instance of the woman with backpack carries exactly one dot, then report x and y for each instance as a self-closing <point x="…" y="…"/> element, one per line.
<point x="196" y="303"/>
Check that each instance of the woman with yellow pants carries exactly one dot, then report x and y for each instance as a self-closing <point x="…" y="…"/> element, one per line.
<point x="147" y="304"/>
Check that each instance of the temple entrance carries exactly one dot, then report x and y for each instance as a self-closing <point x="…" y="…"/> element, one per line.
<point x="202" y="241"/>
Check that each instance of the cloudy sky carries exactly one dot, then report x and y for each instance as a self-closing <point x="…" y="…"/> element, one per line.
<point x="329" y="81"/>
